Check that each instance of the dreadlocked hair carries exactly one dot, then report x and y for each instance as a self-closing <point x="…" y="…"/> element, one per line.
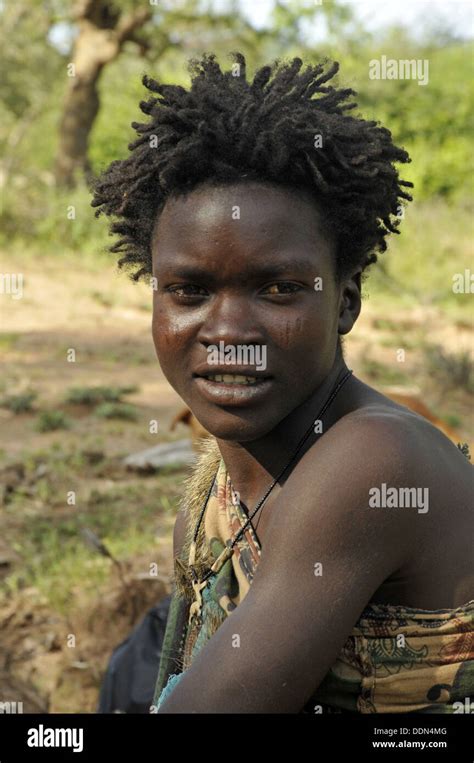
<point x="286" y="127"/>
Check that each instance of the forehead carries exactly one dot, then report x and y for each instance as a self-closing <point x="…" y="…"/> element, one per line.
<point x="245" y="220"/>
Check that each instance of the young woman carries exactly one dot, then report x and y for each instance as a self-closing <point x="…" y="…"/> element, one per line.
<point x="324" y="544"/>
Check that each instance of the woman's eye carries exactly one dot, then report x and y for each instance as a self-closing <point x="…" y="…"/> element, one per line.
<point x="282" y="287"/>
<point x="187" y="290"/>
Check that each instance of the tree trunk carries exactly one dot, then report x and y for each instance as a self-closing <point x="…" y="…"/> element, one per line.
<point x="102" y="34"/>
<point x="80" y="110"/>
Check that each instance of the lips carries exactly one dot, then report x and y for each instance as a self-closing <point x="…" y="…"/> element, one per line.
<point x="227" y="378"/>
<point x="233" y="389"/>
<point x="247" y="371"/>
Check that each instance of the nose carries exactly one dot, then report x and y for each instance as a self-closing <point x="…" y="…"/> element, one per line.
<point x="230" y="319"/>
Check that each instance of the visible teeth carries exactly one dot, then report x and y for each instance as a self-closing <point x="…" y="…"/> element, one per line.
<point x="233" y="379"/>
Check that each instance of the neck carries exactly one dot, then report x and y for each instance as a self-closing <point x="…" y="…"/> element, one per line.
<point x="252" y="466"/>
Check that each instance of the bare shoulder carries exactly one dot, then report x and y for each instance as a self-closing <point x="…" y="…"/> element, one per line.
<point x="420" y="484"/>
<point x="329" y="491"/>
<point x="392" y="435"/>
<point x="385" y="444"/>
<point x="377" y="456"/>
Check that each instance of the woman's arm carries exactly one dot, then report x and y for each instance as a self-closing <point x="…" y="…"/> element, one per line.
<point x="274" y="650"/>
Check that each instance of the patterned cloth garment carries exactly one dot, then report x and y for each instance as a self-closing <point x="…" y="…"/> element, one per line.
<point x="396" y="659"/>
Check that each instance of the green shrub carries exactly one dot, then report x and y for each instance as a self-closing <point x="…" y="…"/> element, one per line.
<point x="48" y="421"/>
<point x="21" y="403"/>
<point x="117" y="411"/>
<point x="451" y="370"/>
<point x="96" y="395"/>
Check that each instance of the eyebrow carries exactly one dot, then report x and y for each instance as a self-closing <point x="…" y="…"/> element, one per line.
<point x="196" y="273"/>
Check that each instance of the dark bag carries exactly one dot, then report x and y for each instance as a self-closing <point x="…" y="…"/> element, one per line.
<point x="129" y="681"/>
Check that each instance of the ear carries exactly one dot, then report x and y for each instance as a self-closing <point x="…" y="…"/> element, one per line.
<point x="349" y="302"/>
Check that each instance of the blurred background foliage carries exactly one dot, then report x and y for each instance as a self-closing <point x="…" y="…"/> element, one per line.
<point x="39" y="39"/>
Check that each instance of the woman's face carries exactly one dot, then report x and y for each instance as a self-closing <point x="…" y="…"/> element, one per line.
<point x="245" y="288"/>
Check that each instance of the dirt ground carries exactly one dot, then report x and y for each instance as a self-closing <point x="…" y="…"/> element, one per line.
<point x="106" y="319"/>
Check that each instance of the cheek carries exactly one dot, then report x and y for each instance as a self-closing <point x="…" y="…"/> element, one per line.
<point x="170" y="333"/>
<point x="290" y="334"/>
<point x="309" y="331"/>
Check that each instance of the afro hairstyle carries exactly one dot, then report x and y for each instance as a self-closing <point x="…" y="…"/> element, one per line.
<point x="286" y="126"/>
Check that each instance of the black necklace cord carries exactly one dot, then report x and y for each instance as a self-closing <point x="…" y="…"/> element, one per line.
<point x="328" y="402"/>
<point x="297" y="450"/>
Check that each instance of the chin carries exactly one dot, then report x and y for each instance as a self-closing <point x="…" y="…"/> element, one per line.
<point x="241" y="427"/>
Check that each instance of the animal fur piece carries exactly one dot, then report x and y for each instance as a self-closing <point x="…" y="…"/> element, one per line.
<point x="196" y="488"/>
